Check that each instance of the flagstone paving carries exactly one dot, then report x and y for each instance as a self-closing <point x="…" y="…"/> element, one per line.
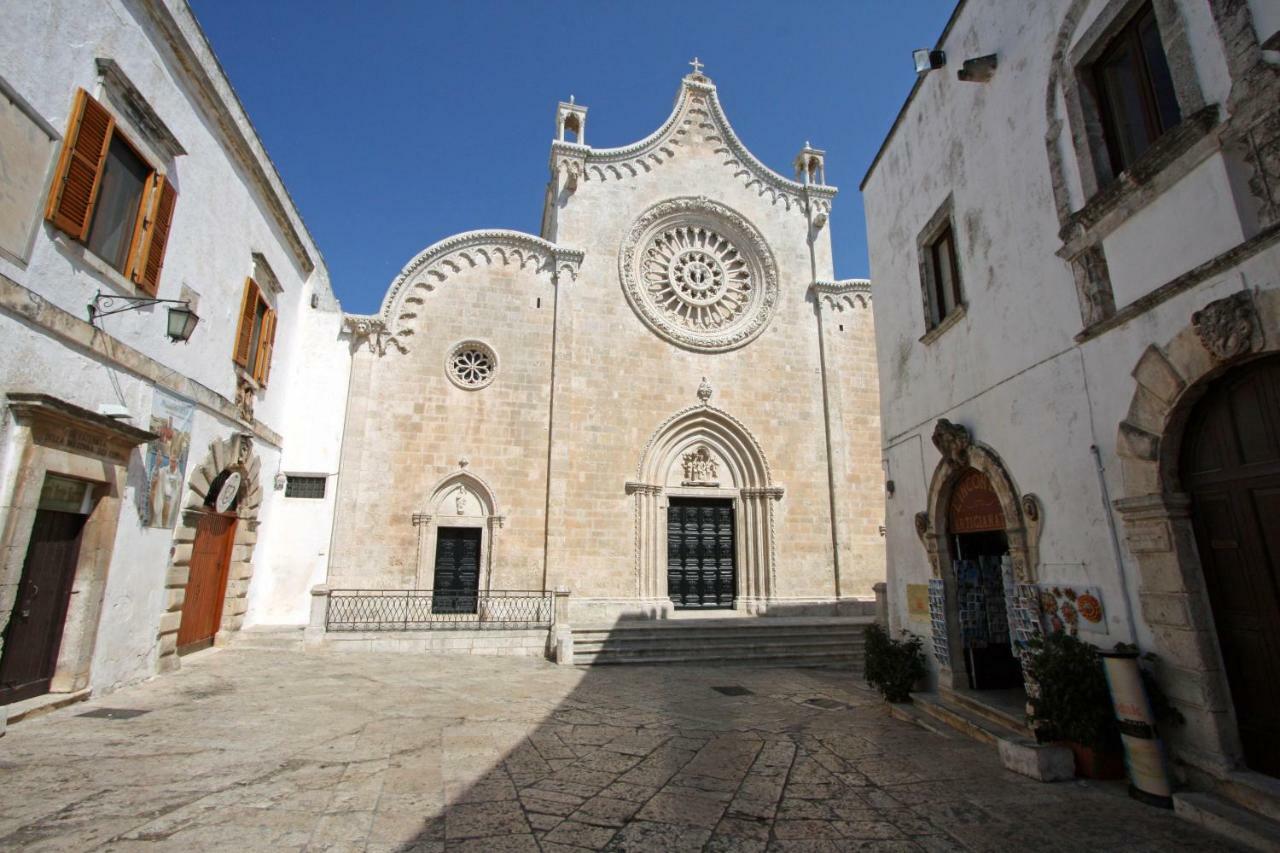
<point x="260" y="750"/>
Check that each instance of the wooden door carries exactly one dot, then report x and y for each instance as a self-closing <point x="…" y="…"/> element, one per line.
<point x="701" y="571"/>
<point x="1231" y="469"/>
<point x="456" y="581"/>
<point x="207" y="581"/>
<point x="34" y="633"/>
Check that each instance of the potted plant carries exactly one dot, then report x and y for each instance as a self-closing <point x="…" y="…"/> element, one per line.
<point x="893" y="666"/>
<point x="1074" y="704"/>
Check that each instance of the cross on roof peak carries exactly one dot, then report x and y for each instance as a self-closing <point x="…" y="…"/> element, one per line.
<point x="697" y="66"/>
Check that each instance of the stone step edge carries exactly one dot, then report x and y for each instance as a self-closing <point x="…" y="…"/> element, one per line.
<point x="967" y="723"/>
<point x="1217" y="815"/>
<point x="759" y="623"/>
<point x="997" y="716"/>
<point x="749" y="658"/>
<point x="716" y="642"/>
<point x="651" y="636"/>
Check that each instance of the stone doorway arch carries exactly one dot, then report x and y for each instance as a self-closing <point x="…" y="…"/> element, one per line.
<point x="705" y="452"/>
<point x="232" y="453"/>
<point x="1023" y="517"/>
<point x="1158" y="521"/>
<point x="460" y="499"/>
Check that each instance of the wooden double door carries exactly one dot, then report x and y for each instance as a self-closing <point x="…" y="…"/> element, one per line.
<point x="456" y="582"/>
<point x="206" y="581"/>
<point x="34" y="633"/>
<point x="701" y="568"/>
<point x="1231" y="468"/>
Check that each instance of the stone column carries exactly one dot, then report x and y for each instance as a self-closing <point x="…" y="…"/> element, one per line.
<point x="649" y="519"/>
<point x="561" y="632"/>
<point x="314" y="633"/>
<point x="882" y="604"/>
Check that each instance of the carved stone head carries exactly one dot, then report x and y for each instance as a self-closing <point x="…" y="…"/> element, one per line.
<point x="952" y="441"/>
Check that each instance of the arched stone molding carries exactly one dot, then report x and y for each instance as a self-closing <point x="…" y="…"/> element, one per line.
<point x="233" y="451"/>
<point x="460" y="499"/>
<point x="843" y="295"/>
<point x="743" y="476"/>
<point x="696" y="116"/>
<point x="1023" y="519"/>
<point x="436" y="264"/>
<point x="1169" y="381"/>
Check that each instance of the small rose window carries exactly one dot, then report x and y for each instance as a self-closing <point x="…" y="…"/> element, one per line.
<point x="471" y="365"/>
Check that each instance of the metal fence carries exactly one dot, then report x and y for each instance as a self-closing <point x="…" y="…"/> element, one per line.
<point x="419" y="610"/>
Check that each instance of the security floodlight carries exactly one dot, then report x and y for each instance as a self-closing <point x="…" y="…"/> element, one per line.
<point x="926" y="60"/>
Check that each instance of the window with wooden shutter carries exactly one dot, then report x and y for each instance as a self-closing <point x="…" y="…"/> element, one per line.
<point x="255" y="334"/>
<point x="108" y="197"/>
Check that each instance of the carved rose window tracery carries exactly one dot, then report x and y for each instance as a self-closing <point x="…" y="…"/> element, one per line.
<point x="471" y="365"/>
<point x="699" y="274"/>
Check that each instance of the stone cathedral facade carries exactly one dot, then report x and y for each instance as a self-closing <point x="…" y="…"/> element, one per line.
<point x="665" y="401"/>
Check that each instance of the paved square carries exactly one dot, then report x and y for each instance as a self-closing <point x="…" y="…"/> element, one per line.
<point x="257" y="750"/>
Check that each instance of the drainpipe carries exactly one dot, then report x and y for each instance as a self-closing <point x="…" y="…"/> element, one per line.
<point x="1115" y="542"/>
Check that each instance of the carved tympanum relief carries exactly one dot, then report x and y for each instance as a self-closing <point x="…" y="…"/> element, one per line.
<point x="471" y="365"/>
<point x="699" y="274"/>
<point x="700" y="467"/>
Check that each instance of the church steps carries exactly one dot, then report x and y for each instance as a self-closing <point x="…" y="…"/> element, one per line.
<point x="797" y="641"/>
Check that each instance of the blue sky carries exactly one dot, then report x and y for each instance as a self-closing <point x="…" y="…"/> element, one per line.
<point x="395" y="124"/>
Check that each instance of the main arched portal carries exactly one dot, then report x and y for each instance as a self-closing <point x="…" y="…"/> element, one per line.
<point x="703" y="511"/>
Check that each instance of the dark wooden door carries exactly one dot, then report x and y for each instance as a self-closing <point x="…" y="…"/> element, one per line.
<point x="207" y="581"/>
<point x="1231" y="469"/>
<point x="457" y="575"/>
<point x="34" y="633"/>
<point x="700" y="553"/>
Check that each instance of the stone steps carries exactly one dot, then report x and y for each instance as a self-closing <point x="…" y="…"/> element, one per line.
<point x="970" y="718"/>
<point x="1240" y="825"/>
<point x="778" y="641"/>
<point x="268" y="637"/>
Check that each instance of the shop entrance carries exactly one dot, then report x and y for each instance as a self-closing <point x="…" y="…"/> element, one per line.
<point x="981" y="569"/>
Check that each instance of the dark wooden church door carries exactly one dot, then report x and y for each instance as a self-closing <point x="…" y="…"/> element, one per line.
<point x="1231" y="469"/>
<point x="34" y="633"/>
<point x="700" y="553"/>
<point x="457" y="575"/>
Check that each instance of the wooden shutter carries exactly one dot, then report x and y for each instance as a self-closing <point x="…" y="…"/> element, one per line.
<point x="266" y="347"/>
<point x="244" y="332"/>
<point x="80" y="166"/>
<point x="149" y="248"/>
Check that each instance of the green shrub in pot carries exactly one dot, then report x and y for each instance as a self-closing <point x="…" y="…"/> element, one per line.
<point x="1074" y="702"/>
<point x="893" y="666"/>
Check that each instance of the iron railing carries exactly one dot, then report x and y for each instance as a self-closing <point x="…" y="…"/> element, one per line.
<point x="420" y="610"/>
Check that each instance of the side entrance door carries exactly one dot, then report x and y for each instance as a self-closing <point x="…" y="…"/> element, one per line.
<point x="1231" y="469"/>
<point x="700" y="553"/>
<point x="457" y="576"/>
<point x="206" y="582"/>
<point x="34" y="633"/>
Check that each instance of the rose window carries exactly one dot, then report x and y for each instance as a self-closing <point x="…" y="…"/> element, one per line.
<point x="471" y="365"/>
<point x="699" y="274"/>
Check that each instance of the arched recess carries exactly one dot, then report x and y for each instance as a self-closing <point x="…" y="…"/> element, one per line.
<point x="1023" y="521"/>
<point x="1157" y="513"/>
<point x="733" y="467"/>
<point x="460" y="499"/>
<point x="234" y="452"/>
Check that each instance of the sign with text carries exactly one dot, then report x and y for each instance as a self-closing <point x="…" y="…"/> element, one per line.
<point x="975" y="507"/>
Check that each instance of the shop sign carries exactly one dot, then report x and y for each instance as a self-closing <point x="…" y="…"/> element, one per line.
<point x="975" y="507"/>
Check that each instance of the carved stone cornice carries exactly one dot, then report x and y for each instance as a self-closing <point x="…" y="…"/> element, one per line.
<point x="697" y="110"/>
<point x="66" y="426"/>
<point x="368" y="330"/>
<point x="1229" y="327"/>
<point x="772" y="492"/>
<point x="633" y="488"/>
<point x="840" y="295"/>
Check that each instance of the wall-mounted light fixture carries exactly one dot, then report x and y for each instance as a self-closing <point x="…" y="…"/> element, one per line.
<point x="926" y="60"/>
<point x="182" y="320"/>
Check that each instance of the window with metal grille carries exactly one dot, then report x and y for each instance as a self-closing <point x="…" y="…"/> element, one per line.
<point x="303" y="487"/>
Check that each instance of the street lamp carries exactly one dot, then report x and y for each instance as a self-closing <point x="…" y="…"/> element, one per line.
<point x="182" y="320"/>
<point x="926" y="60"/>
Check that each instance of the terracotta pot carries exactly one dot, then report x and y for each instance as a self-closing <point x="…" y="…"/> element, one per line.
<point x="1094" y="763"/>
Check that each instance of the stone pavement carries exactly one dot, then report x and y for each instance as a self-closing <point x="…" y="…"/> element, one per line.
<point x="259" y="750"/>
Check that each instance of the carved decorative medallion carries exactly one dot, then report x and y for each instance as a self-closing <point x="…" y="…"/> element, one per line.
<point x="471" y="365"/>
<point x="1228" y="327"/>
<point x="952" y="441"/>
<point x="699" y="274"/>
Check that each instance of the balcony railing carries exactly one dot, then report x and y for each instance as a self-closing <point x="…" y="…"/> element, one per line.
<point x="419" y="610"/>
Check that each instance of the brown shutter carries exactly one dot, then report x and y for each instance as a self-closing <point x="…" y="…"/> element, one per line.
<point x="244" y="331"/>
<point x="266" y="347"/>
<point x="150" y="248"/>
<point x="80" y="166"/>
